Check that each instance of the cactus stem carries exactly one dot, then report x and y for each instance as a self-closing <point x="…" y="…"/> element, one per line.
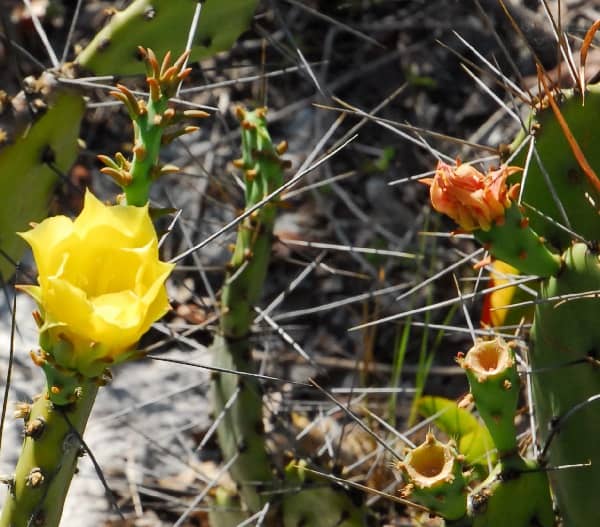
<point x="47" y="461"/>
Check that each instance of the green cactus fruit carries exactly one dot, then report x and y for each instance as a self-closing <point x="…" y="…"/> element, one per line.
<point x="492" y="373"/>
<point x="48" y="460"/>
<point x="434" y="478"/>
<point x="564" y="354"/>
<point x="163" y="25"/>
<point x="517" y="244"/>
<point x="28" y="172"/>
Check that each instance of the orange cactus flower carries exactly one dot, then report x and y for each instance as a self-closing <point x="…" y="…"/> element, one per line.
<point x="472" y="199"/>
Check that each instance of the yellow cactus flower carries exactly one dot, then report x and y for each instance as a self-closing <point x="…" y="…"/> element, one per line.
<point x="101" y="283"/>
<point x="472" y="199"/>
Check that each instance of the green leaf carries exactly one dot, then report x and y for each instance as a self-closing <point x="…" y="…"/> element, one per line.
<point x="163" y="26"/>
<point x="472" y="437"/>
<point x="26" y="181"/>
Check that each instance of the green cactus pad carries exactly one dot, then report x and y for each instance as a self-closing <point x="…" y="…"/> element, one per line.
<point x="27" y="181"/>
<point x="163" y="25"/>
<point x="515" y="494"/>
<point x="577" y="195"/>
<point x="564" y="333"/>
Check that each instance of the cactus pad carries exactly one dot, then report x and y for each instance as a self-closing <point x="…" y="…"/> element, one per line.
<point x="163" y="25"/>
<point x="26" y="177"/>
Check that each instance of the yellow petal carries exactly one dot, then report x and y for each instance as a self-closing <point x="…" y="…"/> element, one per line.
<point x="65" y="303"/>
<point x="119" y="318"/>
<point x="102" y="269"/>
<point x="156" y="298"/>
<point x="48" y="240"/>
<point x="132" y="222"/>
<point x="102" y="284"/>
<point x="33" y="291"/>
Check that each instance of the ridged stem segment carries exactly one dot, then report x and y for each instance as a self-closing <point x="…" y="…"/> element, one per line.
<point x="154" y="124"/>
<point x="48" y="460"/>
<point x="239" y="399"/>
<point x="240" y="432"/>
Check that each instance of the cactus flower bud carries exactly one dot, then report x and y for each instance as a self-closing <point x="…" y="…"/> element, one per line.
<point x="473" y="199"/>
<point x="101" y="283"/>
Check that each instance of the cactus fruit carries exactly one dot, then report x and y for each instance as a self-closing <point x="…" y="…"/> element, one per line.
<point x="29" y="170"/>
<point x="434" y="472"/>
<point x="492" y="373"/>
<point x="161" y="24"/>
<point x="473" y="439"/>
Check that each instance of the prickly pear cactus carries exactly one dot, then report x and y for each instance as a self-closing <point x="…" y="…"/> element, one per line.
<point x="162" y="25"/>
<point x="549" y="228"/>
<point x="565" y="336"/>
